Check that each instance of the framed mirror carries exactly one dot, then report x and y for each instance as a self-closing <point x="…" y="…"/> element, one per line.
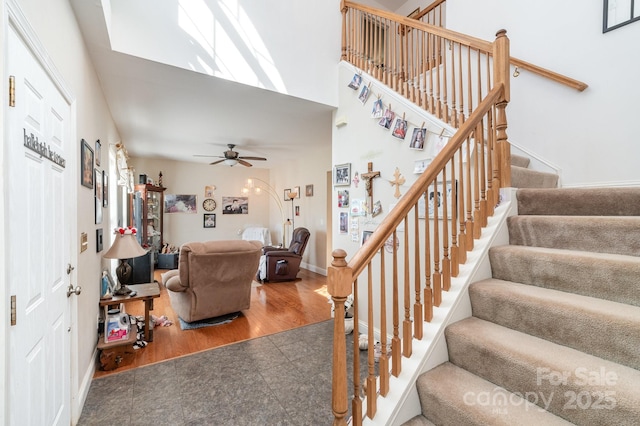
<point x="618" y="13"/>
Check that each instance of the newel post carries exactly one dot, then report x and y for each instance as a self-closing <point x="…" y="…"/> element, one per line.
<point x="501" y="76"/>
<point x="339" y="287"/>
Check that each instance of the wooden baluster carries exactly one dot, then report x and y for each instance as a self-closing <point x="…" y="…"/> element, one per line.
<point x="462" y="238"/>
<point x="371" y="376"/>
<point x="343" y="10"/>
<point x="356" y="402"/>
<point x="446" y="262"/>
<point x="438" y="41"/>
<point x="481" y="143"/>
<point x="428" y="292"/>
<point x="455" y="259"/>
<point x="383" y="362"/>
<point x="492" y="200"/>
<point x="454" y="113"/>
<point x="407" y="333"/>
<point x="445" y="100"/>
<point x="417" y="307"/>
<point x="460" y="87"/>
<point x="469" y="225"/>
<point x="477" y="220"/>
<point x="339" y="282"/>
<point x="396" y="366"/>
<point x="437" y="276"/>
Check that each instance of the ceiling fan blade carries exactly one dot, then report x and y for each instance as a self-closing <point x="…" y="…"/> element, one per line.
<point x="203" y="155"/>
<point x="253" y="158"/>
<point x="244" y="163"/>
<point x="216" y="162"/>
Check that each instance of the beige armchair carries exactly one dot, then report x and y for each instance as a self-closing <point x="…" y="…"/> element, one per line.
<point x="213" y="278"/>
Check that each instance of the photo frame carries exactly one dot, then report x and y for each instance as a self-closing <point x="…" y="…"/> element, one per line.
<point x="209" y="220"/>
<point x="365" y="236"/>
<point x="209" y="190"/>
<point x="342" y="174"/>
<point x="618" y="14"/>
<point x="343" y="198"/>
<point x="344" y="222"/>
<point x="98" y="195"/>
<point x="235" y="205"/>
<point x="99" y="242"/>
<point x="105" y="189"/>
<point x="86" y="164"/>
<point x="98" y="152"/>
<point x="308" y="191"/>
<point x="296" y="189"/>
<point x="286" y="194"/>
<point x="180" y="203"/>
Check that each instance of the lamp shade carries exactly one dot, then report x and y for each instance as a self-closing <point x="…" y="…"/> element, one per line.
<point x="230" y="162"/>
<point x="125" y="246"/>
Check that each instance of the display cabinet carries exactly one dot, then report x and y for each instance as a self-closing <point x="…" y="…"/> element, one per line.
<point x="146" y="209"/>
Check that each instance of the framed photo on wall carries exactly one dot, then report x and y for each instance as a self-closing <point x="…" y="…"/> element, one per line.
<point x="342" y="174"/>
<point x="309" y="191"/>
<point x="105" y="189"/>
<point x="98" y="152"/>
<point x="209" y="220"/>
<point x="86" y="164"/>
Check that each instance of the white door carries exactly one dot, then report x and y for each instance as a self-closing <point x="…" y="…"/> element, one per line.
<point x="38" y="249"/>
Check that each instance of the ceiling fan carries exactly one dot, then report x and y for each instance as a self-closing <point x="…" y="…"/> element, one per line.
<point x="231" y="157"/>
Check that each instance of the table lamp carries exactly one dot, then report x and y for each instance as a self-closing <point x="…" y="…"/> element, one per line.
<point x="124" y="247"/>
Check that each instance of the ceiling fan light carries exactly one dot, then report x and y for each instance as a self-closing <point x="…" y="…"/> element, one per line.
<point x="230" y="162"/>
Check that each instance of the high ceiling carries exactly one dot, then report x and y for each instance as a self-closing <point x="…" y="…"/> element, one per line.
<point x="166" y="111"/>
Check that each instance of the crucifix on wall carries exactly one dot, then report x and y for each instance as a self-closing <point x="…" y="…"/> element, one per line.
<point x="399" y="180"/>
<point x="368" y="181"/>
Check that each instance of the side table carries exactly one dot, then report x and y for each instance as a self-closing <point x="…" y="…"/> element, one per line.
<point x="145" y="293"/>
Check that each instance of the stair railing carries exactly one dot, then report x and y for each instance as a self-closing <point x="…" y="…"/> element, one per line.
<point x="434" y="225"/>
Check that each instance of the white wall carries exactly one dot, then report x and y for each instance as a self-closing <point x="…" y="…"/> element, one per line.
<point x="244" y="41"/>
<point x="590" y="136"/>
<point x="56" y="28"/>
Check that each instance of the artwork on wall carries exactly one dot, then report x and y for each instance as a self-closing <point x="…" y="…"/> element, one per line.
<point x="420" y="166"/>
<point x="209" y="220"/>
<point x="344" y="222"/>
<point x="309" y="191"/>
<point x="86" y="164"/>
<point x="343" y="198"/>
<point x="376" y="111"/>
<point x="342" y="174"/>
<point x="418" y="137"/>
<point x="235" y="205"/>
<point x="180" y="203"/>
<point x="400" y="128"/>
<point x="208" y="191"/>
<point x="296" y="189"/>
<point x="387" y="118"/>
<point x="364" y="94"/>
<point x="355" y="81"/>
<point x="98" y="195"/>
<point x="365" y="236"/>
<point x="98" y="152"/>
<point x="98" y="240"/>
<point x="105" y="189"/>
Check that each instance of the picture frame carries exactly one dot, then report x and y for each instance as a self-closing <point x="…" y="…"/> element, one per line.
<point x="308" y="191"/>
<point x="616" y="15"/>
<point x="342" y="174"/>
<point x="209" y="220"/>
<point x="86" y="164"/>
<point x="344" y="222"/>
<point x="98" y="152"/>
<point x="235" y="205"/>
<point x="286" y="194"/>
<point x="183" y="203"/>
<point x="296" y="189"/>
<point x="343" y="198"/>
<point x="105" y="189"/>
<point x="365" y="236"/>
<point x="98" y="195"/>
<point x="99" y="241"/>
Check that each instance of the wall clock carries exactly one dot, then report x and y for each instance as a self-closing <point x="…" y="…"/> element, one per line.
<point x="209" y="204"/>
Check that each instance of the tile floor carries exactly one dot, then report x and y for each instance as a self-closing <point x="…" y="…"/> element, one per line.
<point x="281" y="379"/>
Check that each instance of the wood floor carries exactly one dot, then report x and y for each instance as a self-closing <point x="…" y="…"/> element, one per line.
<point x="275" y="307"/>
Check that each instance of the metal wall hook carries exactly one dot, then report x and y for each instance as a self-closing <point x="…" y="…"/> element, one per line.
<point x="516" y="72"/>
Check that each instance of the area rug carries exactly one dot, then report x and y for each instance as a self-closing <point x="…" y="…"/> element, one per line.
<point x="223" y="319"/>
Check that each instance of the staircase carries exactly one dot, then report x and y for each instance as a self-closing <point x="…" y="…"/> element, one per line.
<point x="555" y="333"/>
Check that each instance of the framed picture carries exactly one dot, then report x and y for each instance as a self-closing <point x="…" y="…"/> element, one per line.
<point x="235" y="205"/>
<point x="297" y="210"/>
<point x="208" y="191"/>
<point x="343" y="198"/>
<point x="296" y="189"/>
<point x="105" y="189"/>
<point x="98" y="152"/>
<point x="286" y="194"/>
<point x="99" y="241"/>
<point x="344" y="222"/>
<point x="209" y="220"/>
<point x="308" y="191"/>
<point x="86" y="164"/>
<point x="617" y="14"/>
<point x="365" y="236"/>
<point x="342" y="174"/>
<point x="98" y="204"/>
<point x="180" y="204"/>
<point x="98" y="188"/>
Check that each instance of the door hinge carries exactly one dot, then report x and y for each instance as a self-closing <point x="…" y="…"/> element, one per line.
<point x="13" y="309"/>
<point x="12" y="91"/>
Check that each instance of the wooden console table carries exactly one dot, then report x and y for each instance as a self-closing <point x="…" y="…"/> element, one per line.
<point x="146" y="293"/>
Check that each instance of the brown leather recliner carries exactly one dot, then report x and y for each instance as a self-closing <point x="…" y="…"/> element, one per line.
<point x="213" y="278"/>
<point x="283" y="264"/>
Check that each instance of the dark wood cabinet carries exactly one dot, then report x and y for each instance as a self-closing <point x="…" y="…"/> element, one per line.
<point x="147" y="205"/>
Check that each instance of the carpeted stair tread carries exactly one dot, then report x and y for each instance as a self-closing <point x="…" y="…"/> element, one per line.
<point x="452" y="396"/>
<point x="602" y="328"/>
<point x="418" y="420"/>
<point x="579" y="201"/>
<point x="607" y="276"/>
<point x="520" y="161"/>
<point x="526" y="178"/>
<point x="603" y="234"/>
<point x="531" y="366"/>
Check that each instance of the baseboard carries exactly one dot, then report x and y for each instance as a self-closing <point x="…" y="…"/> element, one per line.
<point x="313" y="268"/>
<point x="85" y="385"/>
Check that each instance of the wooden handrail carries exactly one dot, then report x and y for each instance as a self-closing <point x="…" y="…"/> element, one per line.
<point x="429" y="8"/>
<point x="562" y="79"/>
